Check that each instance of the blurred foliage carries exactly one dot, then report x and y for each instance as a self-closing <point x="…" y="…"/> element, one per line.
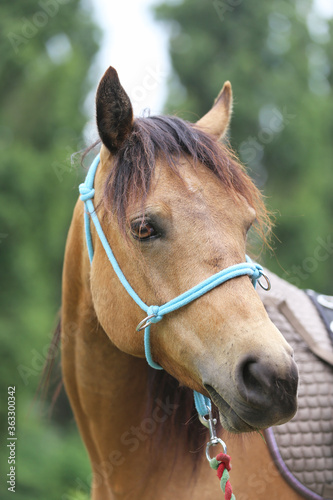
<point x="278" y="57"/>
<point x="46" y="51"/>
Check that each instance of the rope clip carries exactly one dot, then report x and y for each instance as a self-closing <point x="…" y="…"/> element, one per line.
<point x="210" y="423"/>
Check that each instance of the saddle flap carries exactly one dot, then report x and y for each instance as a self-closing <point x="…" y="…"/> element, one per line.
<point x="301" y="312"/>
<point x="302" y="448"/>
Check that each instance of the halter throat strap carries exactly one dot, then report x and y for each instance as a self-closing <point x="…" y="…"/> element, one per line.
<point x="156" y="313"/>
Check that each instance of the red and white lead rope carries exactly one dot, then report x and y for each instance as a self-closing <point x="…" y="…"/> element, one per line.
<point x="222" y="465"/>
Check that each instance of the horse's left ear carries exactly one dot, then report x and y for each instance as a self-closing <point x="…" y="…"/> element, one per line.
<point x="216" y="121"/>
<point x="114" y="111"/>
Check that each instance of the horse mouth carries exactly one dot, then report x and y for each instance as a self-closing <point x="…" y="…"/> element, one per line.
<point x="229" y="419"/>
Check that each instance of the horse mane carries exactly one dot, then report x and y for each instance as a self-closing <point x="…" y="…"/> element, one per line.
<point x="170" y="138"/>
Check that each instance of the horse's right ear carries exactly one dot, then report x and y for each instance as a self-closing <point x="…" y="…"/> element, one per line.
<point x="216" y="121"/>
<point x="114" y="111"/>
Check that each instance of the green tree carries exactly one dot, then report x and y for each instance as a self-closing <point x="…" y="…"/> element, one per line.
<point x="46" y="51"/>
<point x="277" y="57"/>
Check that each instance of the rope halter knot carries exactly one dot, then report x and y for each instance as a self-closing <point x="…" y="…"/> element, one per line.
<point x="86" y="192"/>
<point x="257" y="272"/>
<point x="153" y="316"/>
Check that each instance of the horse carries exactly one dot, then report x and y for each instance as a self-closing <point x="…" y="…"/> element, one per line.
<point x="175" y="205"/>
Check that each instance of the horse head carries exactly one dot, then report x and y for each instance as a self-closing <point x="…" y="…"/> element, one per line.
<point x="176" y="207"/>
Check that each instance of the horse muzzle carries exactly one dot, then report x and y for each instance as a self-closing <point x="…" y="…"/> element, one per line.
<point x="259" y="398"/>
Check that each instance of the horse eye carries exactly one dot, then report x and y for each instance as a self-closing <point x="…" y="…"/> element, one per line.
<point x="143" y="230"/>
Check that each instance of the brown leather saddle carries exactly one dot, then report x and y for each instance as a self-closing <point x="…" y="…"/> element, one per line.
<point x="302" y="448"/>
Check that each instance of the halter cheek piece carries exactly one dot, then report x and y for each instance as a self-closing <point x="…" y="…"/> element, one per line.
<point x="156" y="313"/>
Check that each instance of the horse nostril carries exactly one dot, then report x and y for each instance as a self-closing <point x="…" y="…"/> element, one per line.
<point x="254" y="376"/>
<point x="260" y="385"/>
<point x="252" y="380"/>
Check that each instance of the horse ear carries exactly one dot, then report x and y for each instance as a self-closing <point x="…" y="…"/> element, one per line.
<point x="114" y="111"/>
<point x="216" y="121"/>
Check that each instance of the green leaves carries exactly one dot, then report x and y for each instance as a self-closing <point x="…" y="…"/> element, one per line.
<point x="41" y="103"/>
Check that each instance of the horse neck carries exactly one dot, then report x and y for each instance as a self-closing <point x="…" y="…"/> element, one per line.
<point x="102" y="367"/>
<point x="107" y="387"/>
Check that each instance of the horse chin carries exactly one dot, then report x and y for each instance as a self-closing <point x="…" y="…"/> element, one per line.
<point x="229" y="419"/>
<point x="231" y="422"/>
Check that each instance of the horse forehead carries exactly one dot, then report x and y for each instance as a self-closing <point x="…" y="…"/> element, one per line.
<point x="196" y="182"/>
<point x="199" y="187"/>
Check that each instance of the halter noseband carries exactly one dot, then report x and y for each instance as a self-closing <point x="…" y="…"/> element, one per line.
<point x="156" y="313"/>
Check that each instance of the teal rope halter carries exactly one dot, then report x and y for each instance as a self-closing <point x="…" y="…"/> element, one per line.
<point x="156" y="313"/>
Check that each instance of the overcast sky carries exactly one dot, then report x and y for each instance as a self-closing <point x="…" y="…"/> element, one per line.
<point x="137" y="46"/>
